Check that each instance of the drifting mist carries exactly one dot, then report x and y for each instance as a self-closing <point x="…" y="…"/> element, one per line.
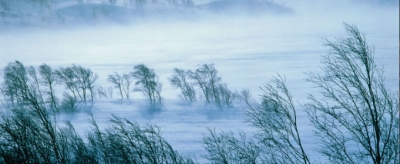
<point x="248" y="41"/>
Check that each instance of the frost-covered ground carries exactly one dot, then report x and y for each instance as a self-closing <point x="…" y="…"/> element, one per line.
<point x="246" y="50"/>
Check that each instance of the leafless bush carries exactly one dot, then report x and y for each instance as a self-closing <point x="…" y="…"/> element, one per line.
<point x="128" y="142"/>
<point x="74" y="147"/>
<point x="69" y="103"/>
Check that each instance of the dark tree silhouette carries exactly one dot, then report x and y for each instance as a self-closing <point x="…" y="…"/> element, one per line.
<point x="85" y="79"/>
<point x="147" y="82"/>
<point x="49" y="79"/>
<point x="117" y="80"/>
<point x="207" y="80"/>
<point x="80" y="81"/>
<point x="226" y="96"/>
<point x="68" y="78"/>
<point x="180" y="80"/>
<point x="276" y="120"/>
<point x="357" y="117"/>
<point x="126" y="84"/>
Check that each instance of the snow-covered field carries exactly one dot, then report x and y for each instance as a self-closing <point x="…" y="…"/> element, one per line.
<point x="246" y="50"/>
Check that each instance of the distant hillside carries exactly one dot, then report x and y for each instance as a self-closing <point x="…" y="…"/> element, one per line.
<point x="245" y="6"/>
<point x="59" y="12"/>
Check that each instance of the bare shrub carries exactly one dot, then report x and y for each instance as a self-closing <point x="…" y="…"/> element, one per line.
<point x="225" y="148"/>
<point x="69" y="103"/>
<point x="128" y="142"/>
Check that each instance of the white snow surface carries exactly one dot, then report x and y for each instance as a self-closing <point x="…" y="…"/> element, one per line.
<point x="247" y="52"/>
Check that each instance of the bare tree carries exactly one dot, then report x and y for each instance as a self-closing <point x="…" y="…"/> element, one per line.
<point x="357" y="118"/>
<point x="276" y="120"/>
<point x="110" y="91"/>
<point x="126" y="83"/>
<point x="32" y="115"/>
<point x="15" y="83"/>
<point x="226" y="96"/>
<point x="80" y="81"/>
<point x="85" y="79"/>
<point x="116" y="79"/>
<point x="207" y="80"/>
<point x="68" y="77"/>
<point x="179" y="80"/>
<point x="49" y="79"/>
<point x="101" y="92"/>
<point x="148" y="82"/>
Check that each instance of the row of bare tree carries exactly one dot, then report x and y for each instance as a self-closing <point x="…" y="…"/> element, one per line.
<point x="204" y="82"/>
<point x="80" y="85"/>
<point x="18" y="80"/>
